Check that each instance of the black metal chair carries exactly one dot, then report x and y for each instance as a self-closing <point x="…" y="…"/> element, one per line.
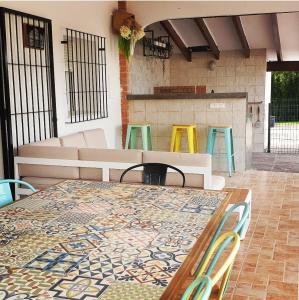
<point x="154" y="173"/>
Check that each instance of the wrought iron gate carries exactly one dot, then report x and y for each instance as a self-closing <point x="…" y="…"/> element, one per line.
<point x="27" y="90"/>
<point x="283" y="126"/>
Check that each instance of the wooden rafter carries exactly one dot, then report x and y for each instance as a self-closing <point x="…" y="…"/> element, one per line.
<point x="276" y="37"/>
<point x="176" y="39"/>
<point x="200" y="22"/>
<point x="241" y="34"/>
<point x="283" y="66"/>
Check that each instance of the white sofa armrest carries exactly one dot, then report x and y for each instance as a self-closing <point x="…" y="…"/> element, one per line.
<point x="218" y="183"/>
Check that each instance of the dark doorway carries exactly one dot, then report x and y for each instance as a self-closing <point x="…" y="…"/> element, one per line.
<point x="27" y="88"/>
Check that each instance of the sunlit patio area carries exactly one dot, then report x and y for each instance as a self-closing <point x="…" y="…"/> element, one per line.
<point x="142" y="154"/>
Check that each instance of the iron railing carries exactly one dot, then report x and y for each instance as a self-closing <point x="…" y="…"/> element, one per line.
<point x="283" y="126"/>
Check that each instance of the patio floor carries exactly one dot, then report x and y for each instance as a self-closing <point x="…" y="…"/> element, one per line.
<point x="267" y="264"/>
<point x="276" y="162"/>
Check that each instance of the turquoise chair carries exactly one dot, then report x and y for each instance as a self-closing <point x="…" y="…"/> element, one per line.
<point x="211" y="260"/>
<point x="5" y="192"/>
<point x="239" y="228"/>
<point x="205" y="284"/>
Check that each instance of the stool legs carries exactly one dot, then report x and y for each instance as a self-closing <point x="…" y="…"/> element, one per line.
<point x="195" y="140"/>
<point x="133" y="138"/>
<point x="211" y="141"/>
<point x="228" y="151"/>
<point x="190" y="140"/>
<point x="128" y="137"/>
<point x="146" y="135"/>
<point x="177" y="143"/>
<point x="233" y="152"/>
<point x="229" y="146"/>
<point x="149" y="138"/>
<point x="172" y="141"/>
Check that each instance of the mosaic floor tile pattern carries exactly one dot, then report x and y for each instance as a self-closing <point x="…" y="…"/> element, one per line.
<point x="84" y="240"/>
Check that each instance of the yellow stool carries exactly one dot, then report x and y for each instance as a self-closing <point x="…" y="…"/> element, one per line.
<point x="175" y="144"/>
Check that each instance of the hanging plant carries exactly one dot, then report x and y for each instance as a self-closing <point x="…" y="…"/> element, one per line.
<point x="129" y="32"/>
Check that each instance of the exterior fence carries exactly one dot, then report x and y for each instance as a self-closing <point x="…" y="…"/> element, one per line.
<point x="283" y="129"/>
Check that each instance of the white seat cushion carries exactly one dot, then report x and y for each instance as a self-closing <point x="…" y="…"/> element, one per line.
<point x="75" y="140"/>
<point x="95" y="138"/>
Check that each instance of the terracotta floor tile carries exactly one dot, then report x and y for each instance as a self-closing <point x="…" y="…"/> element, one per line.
<point x="283" y="288"/>
<point x="267" y="267"/>
<point x="271" y="296"/>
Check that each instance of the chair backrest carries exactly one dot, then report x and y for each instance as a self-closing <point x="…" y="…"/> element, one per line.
<point x="5" y="191"/>
<point x="237" y="228"/>
<point x="205" y="290"/>
<point x="212" y="257"/>
<point x="154" y="173"/>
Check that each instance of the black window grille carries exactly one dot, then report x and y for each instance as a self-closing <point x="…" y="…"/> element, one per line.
<point x="86" y="78"/>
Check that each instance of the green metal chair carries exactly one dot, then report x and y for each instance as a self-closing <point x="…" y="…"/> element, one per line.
<point x="206" y="288"/>
<point x="239" y="227"/>
<point x="5" y="191"/>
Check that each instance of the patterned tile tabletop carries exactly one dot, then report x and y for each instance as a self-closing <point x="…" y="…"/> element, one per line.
<point x="85" y="240"/>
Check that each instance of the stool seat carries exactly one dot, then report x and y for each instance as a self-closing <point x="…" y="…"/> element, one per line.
<point x="229" y="145"/>
<point x="146" y="135"/>
<point x="175" y="144"/>
<point x="220" y="126"/>
<point x="138" y="125"/>
<point x="184" y="126"/>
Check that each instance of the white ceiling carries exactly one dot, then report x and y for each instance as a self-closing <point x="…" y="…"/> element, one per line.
<point x="258" y="30"/>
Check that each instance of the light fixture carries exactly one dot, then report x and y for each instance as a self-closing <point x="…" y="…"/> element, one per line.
<point x="212" y="65"/>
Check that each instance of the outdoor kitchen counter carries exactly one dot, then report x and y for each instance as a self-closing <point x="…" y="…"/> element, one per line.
<point x="204" y="110"/>
<point x="187" y="96"/>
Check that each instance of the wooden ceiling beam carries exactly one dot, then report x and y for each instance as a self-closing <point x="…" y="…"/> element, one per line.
<point x="176" y="39"/>
<point x="276" y="37"/>
<point x="273" y="66"/>
<point x="241" y="34"/>
<point x="202" y="26"/>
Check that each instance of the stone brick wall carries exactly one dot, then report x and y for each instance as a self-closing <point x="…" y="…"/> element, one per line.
<point x="162" y="114"/>
<point x="233" y="73"/>
<point x="147" y="72"/>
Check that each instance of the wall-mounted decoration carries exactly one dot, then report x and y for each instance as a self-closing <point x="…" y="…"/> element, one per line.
<point x="159" y="47"/>
<point x="129" y="32"/>
<point x="33" y="36"/>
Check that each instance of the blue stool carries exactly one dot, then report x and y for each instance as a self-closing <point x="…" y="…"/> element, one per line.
<point x="229" y="145"/>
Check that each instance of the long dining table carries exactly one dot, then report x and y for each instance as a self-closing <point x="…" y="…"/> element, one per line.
<point x="86" y="240"/>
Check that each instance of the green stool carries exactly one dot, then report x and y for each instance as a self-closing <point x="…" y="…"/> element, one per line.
<point x="146" y="134"/>
<point x="229" y="145"/>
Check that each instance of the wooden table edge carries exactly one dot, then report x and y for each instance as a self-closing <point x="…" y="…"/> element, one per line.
<point x="177" y="285"/>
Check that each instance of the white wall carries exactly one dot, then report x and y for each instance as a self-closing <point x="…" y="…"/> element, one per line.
<point x="90" y="17"/>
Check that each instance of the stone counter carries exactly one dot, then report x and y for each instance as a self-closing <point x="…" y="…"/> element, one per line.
<point x="203" y="111"/>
